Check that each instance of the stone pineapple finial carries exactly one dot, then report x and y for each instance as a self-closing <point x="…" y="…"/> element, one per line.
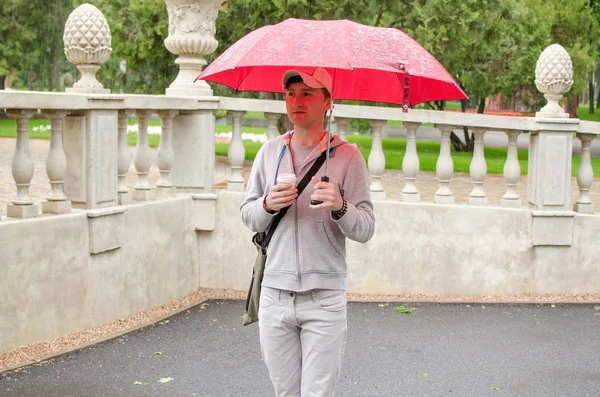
<point x="87" y="45"/>
<point x="553" y="78"/>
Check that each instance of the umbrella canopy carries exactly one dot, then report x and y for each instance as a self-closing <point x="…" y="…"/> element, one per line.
<point x="366" y="63"/>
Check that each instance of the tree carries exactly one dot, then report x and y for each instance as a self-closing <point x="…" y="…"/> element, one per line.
<point x="138" y="30"/>
<point x="574" y="25"/>
<point x="487" y="45"/>
<point x="32" y="46"/>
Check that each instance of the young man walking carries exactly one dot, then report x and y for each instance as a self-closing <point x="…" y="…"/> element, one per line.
<point x="302" y="314"/>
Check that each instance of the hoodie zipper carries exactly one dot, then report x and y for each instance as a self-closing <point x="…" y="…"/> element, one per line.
<point x="296" y="243"/>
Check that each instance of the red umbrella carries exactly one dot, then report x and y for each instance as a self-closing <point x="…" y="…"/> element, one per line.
<point x="366" y="63"/>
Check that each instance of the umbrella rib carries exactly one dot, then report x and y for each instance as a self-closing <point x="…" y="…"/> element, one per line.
<point x="244" y="79"/>
<point x="403" y="87"/>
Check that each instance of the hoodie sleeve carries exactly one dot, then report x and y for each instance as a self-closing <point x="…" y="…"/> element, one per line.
<point x="254" y="216"/>
<point x="358" y="223"/>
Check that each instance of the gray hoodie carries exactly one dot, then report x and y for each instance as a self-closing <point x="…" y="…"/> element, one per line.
<point x="308" y="249"/>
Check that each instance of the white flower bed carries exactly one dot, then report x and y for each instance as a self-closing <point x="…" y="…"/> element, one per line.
<point x="155" y="130"/>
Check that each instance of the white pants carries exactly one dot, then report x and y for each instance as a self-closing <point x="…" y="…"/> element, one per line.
<point x="302" y="337"/>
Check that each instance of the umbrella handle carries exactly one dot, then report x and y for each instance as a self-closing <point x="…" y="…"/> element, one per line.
<point x="324" y="178"/>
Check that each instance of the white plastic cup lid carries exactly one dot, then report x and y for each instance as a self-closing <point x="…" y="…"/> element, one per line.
<point x="286" y="178"/>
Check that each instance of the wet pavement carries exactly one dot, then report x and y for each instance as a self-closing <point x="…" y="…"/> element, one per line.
<point x="437" y="350"/>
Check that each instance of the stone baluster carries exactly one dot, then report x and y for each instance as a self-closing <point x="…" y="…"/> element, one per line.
<point x="236" y="153"/>
<point x="22" y="168"/>
<point x="272" y="119"/>
<point x="143" y="159"/>
<point x="342" y="124"/>
<point x="164" y="161"/>
<point x="444" y="168"/>
<point x="410" y="164"/>
<point x="124" y="160"/>
<point x="585" y="176"/>
<point x="512" y="172"/>
<point x="377" y="160"/>
<point x="478" y="169"/>
<point x="56" y="166"/>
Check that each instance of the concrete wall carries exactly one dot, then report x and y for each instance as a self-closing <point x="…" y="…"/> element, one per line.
<point x="50" y="284"/>
<point x="146" y="255"/>
<point x="429" y="249"/>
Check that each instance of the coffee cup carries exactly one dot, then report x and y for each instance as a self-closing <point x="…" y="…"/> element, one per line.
<point x="287" y="178"/>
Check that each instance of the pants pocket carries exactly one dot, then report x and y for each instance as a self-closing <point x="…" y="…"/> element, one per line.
<point x="332" y="301"/>
<point x="268" y="297"/>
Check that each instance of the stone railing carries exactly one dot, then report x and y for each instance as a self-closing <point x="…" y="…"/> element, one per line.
<point x="90" y="135"/>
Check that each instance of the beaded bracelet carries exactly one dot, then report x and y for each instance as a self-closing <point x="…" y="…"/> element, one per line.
<point x="340" y="213"/>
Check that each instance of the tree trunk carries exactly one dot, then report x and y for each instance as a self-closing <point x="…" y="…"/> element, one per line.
<point x="56" y="74"/>
<point x="481" y="107"/>
<point x="3" y="114"/>
<point x="591" y="97"/>
<point x="572" y="106"/>
<point x="469" y="143"/>
<point x="284" y="124"/>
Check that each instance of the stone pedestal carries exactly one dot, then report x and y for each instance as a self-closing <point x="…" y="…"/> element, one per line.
<point x="194" y="145"/>
<point x="144" y="195"/>
<point x="165" y="192"/>
<point x="56" y="207"/>
<point x="22" y="211"/>
<point x="549" y="179"/>
<point x="90" y="142"/>
<point x="125" y="198"/>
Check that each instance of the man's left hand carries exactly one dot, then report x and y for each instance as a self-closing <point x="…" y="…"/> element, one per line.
<point x="328" y="193"/>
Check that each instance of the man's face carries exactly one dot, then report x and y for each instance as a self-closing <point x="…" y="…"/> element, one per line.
<point x="306" y="106"/>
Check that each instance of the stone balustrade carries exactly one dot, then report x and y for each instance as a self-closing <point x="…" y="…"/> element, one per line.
<point x="96" y="151"/>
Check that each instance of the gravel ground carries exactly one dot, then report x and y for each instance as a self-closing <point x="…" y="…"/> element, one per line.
<point x="38" y="352"/>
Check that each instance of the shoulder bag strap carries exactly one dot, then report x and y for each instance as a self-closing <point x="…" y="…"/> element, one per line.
<point x="303" y="183"/>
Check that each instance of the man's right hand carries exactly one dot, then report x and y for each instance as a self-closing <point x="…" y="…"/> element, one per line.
<point x="281" y="195"/>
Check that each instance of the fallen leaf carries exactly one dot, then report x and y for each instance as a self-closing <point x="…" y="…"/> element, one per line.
<point x="383" y="304"/>
<point x="137" y="383"/>
<point x="165" y="380"/>
<point x="425" y="376"/>
<point x="494" y="388"/>
<point x="157" y="353"/>
<point x="405" y="310"/>
<point x="164" y="322"/>
<point x="553" y="305"/>
<point x="128" y="356"/>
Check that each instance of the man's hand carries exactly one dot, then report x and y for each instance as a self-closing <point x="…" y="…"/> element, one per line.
<point x="281" y="195"/>
<point x="328" y="193"/>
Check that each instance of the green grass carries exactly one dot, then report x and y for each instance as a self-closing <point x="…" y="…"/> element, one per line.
<point x="583" y="112"/>
<point x="393" y="148"/>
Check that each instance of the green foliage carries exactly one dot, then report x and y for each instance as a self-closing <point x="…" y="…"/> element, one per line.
<point x="31" y="49"/>
<point x="490" y="46"/>
<point x="138" y="29"/>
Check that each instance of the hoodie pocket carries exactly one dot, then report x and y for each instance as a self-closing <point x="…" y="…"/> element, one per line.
<point x="319" y="250"/>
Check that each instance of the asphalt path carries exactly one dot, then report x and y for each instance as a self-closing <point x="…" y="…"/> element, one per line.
<point x="437" y="350"/>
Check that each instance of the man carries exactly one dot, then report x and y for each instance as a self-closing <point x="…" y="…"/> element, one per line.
<point x="302" y="314"/>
